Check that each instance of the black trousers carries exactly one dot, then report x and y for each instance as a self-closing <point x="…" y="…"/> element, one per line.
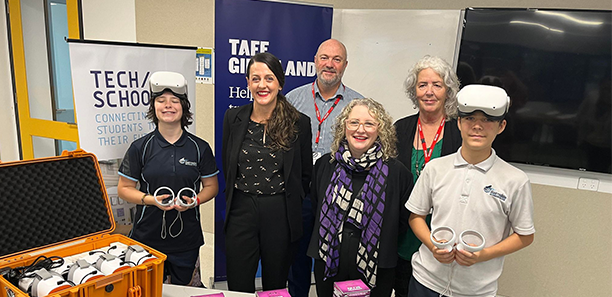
<point x="180" y="266"/>
<point x="258" y="228"/>
<point x="301" y="269"/>
<point x="347" y="269"/>
<point x="403" y="273"/>
<point x="416" y="289"/>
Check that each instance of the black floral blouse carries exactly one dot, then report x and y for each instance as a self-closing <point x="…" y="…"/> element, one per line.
<point x="260" y="170"/>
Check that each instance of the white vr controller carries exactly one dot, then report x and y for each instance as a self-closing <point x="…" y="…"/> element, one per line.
<point x="175" y="199"/>
<point x="469" y="240"/>
<point x="443" y="238"/>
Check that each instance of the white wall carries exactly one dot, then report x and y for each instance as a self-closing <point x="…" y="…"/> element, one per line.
<point x="384" y="44"/>
<point x="9" y="148"/>
<point x="110" y="20"/>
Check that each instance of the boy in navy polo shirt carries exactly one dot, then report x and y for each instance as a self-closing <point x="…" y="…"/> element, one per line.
<point x="472" y="189"/>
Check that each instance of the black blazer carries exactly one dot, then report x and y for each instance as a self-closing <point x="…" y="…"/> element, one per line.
<point x="405" y="129"/>
<point x="395" y="216"/>
<point x="297" y="165"/>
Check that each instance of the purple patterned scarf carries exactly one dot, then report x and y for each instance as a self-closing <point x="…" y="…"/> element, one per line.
<point x="366" y="211"/>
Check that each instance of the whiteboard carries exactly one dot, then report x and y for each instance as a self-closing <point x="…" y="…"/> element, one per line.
<point x="383" y="45"/>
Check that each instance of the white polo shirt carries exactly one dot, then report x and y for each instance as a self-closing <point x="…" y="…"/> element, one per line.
<point x="492" y="197"/>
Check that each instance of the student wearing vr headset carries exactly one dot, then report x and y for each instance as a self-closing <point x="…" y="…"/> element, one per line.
<point x="472" y="189"/>
<point x="267" y="162"/>
<point x="174" y="158"/>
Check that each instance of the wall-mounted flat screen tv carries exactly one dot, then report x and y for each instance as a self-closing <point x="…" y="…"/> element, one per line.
<point x="556" y="67"/>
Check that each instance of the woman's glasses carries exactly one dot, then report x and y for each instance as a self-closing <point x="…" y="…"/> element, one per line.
<point x="353" y="125"/>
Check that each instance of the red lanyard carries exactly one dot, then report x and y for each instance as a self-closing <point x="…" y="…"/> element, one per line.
<point x="319" y="113"/>
<point x="428" y="152"/>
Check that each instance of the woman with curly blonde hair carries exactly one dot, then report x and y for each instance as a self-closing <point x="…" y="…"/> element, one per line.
<point x="358" y="191"/>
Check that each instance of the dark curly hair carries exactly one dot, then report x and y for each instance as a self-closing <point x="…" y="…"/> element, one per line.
<point x="185" y="104"/>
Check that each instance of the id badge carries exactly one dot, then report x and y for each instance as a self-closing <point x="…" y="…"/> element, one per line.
<point x="315" y="157"/>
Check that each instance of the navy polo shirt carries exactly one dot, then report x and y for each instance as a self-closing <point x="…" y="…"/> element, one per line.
<point x="154" y="163"/>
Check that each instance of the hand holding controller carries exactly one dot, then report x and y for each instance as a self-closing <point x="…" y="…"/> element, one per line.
<point x="166" y="201"/>
<point x="173" y="199"/>
<point x="183" y="202"/>
<point x="443" y="238"/>
<point x="471" y="241"/>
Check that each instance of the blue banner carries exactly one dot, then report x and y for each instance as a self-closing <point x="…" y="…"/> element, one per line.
<point x="243" y="28"/>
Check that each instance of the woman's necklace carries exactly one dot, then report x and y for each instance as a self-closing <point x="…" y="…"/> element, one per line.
<point x="262" y="122"/>
<point x="263" y="129"/>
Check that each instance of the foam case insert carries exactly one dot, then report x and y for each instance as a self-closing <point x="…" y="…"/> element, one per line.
<point x="45" y="203"/>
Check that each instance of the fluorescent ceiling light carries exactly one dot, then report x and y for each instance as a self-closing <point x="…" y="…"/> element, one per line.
<point x="565" y="16"/>
<point x="537" y="24"/>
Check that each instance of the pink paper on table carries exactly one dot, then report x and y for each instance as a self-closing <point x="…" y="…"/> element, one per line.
<point x="353" y="288"/>
<point x="274" y="293"/>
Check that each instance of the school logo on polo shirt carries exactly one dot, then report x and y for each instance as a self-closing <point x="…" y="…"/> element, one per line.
<point x="492" y="192"/>
<point x="186" y="162"/>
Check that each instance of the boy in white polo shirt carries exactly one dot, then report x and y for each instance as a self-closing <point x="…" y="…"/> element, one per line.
<point x="472" y="189"/>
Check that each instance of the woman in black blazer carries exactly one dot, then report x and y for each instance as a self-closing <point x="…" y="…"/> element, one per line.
<point x="267" y="161"/>
<point x="432" y="86"/>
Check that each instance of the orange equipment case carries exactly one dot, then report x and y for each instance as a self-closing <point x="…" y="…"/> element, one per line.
<point x="58" y="206"/>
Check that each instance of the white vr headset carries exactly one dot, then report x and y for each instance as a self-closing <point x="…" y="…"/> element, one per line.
<point x="166" y="80"/>
<point x="491" y="100"/>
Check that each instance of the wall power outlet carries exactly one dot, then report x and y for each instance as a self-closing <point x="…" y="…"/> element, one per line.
<point x="589" y="184"/>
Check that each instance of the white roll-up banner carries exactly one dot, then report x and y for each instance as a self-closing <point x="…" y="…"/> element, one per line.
<point x="111" y="97"/>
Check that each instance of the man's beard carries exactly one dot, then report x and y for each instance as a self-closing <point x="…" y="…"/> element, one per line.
<point x="330" y="82"/>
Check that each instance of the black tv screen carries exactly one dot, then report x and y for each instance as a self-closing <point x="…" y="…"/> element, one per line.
<point x="556" y="67"/>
